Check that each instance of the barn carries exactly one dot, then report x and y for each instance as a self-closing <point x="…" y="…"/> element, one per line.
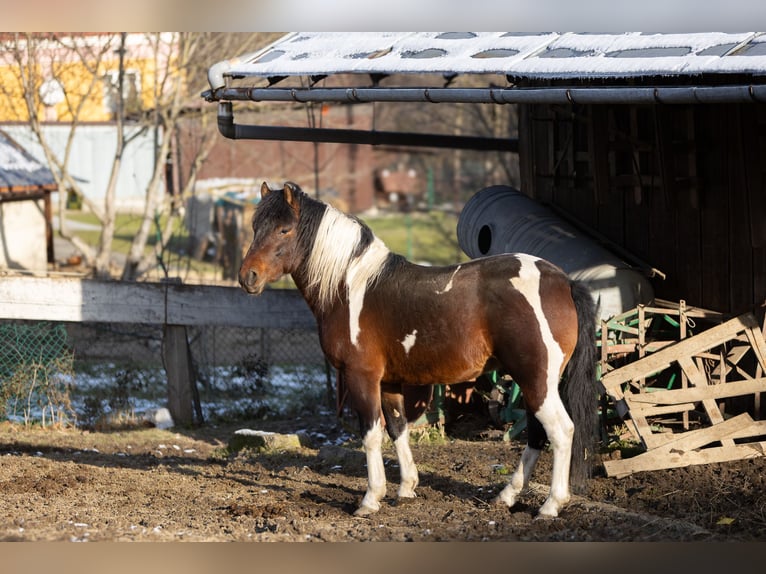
<point x="652" y="142"/>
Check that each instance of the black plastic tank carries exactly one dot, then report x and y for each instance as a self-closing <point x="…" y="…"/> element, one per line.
<point x="501" y="219"/>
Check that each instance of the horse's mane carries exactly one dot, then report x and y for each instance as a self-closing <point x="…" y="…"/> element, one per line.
<point x="344" y="251"/>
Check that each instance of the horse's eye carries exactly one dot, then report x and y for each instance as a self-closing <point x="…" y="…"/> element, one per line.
<point x="284" y="230"/>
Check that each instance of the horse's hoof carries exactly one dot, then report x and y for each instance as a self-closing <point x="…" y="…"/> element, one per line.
<point x="508" y="501"/>
<point x="547" y="513"/>
<point x="402" y="500"/>
<point x="364" y="511"/>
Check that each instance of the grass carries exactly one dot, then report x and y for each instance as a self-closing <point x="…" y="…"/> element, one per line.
<point x="427" y="237"/>
<point x="423" y="237"/>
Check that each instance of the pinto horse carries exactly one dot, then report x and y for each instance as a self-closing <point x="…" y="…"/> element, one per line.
<point x="385" y="323"/>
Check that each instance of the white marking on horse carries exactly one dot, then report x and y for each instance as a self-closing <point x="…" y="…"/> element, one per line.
<point x="448" y="287"/>
<point x="409" y="341"/>
<point x="376" y="473"/>
<point x="330" y="264"/>
<point x="336" y="237"/>
<point x="361" y="272"/>
<point x="551" y="413"/>
<point x="408" y="471"/>
<point x="528" y="284"/>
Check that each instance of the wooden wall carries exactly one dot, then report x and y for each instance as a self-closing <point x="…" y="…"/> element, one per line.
<point x="681" y="187"/>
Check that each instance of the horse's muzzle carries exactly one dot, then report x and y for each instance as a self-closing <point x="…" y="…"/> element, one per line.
<point x="248" y="279"/>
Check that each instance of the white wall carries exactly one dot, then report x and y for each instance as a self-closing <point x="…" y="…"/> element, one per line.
<point x="22" y="236"/>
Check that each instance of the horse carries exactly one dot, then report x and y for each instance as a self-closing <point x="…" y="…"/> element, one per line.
<point x="387" y="324"/>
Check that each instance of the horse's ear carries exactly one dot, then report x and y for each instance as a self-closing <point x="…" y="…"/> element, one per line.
<point x="291" y="195"/>
<point x="265" y="189"/>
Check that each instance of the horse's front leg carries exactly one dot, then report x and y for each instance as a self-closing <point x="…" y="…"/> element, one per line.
<point x="364" y="392"/>
<point x="398" y="429"/>
<point x="376" y="473"/>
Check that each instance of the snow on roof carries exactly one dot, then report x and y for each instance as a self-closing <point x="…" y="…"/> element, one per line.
<point x="19" y="170"/>
<point x="545" y="55"/>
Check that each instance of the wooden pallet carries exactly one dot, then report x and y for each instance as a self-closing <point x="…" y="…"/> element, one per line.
<point x="720" y="363"/>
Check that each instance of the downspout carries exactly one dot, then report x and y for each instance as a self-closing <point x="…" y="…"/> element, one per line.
<point x="231" y="130"/>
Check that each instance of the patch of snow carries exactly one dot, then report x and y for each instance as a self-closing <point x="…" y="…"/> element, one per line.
<point x="576" y="54"/>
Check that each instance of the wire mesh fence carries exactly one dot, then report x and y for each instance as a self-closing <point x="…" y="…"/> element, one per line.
<point x="35" y="363"/>
<point x="82" y="372"/>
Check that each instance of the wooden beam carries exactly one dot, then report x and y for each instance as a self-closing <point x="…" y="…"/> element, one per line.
<point x="697" y="394"/>
<point x="681" y="450"/>
<point x="698" y="438"/>
<point x="84" y="300"/>
<point x="655" y="410"/>
<point x="658" y="461"/>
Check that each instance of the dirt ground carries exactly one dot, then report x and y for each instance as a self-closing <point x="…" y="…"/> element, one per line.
<point x="153" y="485"/>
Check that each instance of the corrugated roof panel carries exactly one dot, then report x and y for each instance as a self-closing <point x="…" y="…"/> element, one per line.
<point x="19" y="170"/>
<point x="545" y="55"/>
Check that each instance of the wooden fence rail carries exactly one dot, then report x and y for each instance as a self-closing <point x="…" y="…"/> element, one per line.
<point x="175" y="306"/>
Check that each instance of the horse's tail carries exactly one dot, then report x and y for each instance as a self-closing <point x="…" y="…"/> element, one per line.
<point x="581" y="390"/>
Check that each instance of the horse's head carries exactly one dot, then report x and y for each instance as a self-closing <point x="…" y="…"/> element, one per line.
<point x="275" y="238"/>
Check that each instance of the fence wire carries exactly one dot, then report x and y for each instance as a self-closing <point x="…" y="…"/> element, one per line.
<point x="36" y="366"/>
<point x="128" y="360"/>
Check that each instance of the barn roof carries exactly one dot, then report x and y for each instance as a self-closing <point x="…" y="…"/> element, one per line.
<point x="20" y="173"/>
<point x="731" y="65"/>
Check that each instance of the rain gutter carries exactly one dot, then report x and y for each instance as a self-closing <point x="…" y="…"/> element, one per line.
<point x="752" y="93"/>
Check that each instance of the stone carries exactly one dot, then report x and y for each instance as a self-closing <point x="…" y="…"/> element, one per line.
<point x="264" y="440"/>
<point x="160" y="418"/>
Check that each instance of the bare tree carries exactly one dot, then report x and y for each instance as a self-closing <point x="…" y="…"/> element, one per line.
<point x="176" y="100"/>
<point x="180" y="62"/>
<point x="110" y="208"/>
<point x="43" y="62"/>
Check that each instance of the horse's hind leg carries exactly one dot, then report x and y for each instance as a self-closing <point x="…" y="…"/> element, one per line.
<point x="550" y="420"/>
<point x="536" y="439"/>
<point x="546" y="420"/>
<point x="560" y="430"/>
<point x="398" y="429"/>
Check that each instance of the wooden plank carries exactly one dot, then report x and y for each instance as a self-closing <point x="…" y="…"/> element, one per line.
<point x="698" y="379"/>
<point x="655" y="410"/>
<point x="687" y="347"/>
<point x="697" y="394"/>
<point x="698" y="438"/>
<point x="619" y="348"/>
<point x="631" y="425"/>
<point x="753" y="430"/>
<point x="644" y="430"/>
<point x="84" y="300"/>
<point x="731" y="359"/>
<point x="673" y="308"/>
<point x="659" y="461"/>
<point x="682" y="324"/>
<point x="755" y="338"/>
